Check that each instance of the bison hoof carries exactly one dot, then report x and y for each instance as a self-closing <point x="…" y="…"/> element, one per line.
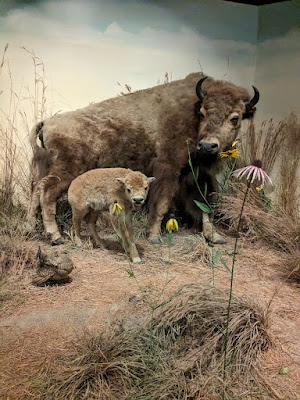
<point x="156" y="240"/>
<point x="218" y="239"/>
<point x="58" y="241"/>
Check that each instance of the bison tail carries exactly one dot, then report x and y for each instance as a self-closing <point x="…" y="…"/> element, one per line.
<point x="48" y="180"/>
<point x="36" y="137"/>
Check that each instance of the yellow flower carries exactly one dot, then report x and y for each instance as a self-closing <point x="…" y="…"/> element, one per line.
<point x="172" y="225"/>
<point x="259" y="188"/>
<point x="234" y="153"/>
<point x="117" y="208"/>
<point x="224" y="154"/>
<point x="234" y="143"/>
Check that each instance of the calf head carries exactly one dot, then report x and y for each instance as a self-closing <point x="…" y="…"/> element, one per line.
<point x="136" y="186"/>
<point x="221" y="108"/>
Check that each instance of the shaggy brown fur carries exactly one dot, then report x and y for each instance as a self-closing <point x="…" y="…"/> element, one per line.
<point x="147" y="130"/>
<point x="97" y="190"/>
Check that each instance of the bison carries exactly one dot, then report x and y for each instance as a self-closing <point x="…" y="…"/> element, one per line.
<point x="147" y="130"/>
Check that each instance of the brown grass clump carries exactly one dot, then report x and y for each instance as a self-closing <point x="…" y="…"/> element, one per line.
<point x="15" y="256"/>
<point x="289" y="167"/>
<point x="278" y="147"/>
<point x="261" y="222"/>
<point x="275" y="227"/>
<point x="264" y="144"/>
<point x="179" y="355"/>
<point x="196" y="319"/>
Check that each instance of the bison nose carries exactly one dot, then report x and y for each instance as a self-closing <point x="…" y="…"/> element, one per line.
<point x="208" y="147"/>
<point x="138" y="200"/>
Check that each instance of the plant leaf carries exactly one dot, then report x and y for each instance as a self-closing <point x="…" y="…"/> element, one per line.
<point x="284" y="371"/>
<point x="205" y="188"/>
<point x="226" y="266"/>
<point x="216" y="257"/>
<point x="203" y="207"/>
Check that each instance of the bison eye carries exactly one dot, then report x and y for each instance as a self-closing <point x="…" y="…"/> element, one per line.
<point x="146" y="188"/>
<point x="128" y="190"/>
<point x="234" y="120"/>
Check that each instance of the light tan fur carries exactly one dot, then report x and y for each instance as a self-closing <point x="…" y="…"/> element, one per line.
<point x="98" y="190"/>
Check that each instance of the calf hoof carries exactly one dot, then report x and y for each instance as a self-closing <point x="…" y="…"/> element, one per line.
<point x="156" y="240"/>
<point x="137" y="260"/>
<point x="57" y="241"/>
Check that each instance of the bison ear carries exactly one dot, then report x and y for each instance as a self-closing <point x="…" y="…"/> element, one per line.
<point x="122" y="180"/>
<point x="151" y="179"/>
<point x="250" y="105"/>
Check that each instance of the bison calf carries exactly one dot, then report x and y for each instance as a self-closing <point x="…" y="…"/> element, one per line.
<point x="98" y="190"/>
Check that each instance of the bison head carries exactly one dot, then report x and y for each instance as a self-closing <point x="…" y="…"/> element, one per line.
<point x="220" y="109"/>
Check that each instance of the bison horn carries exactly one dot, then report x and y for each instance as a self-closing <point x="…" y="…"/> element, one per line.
<point x="199" y="92"/>
<point x="251" y="103"/>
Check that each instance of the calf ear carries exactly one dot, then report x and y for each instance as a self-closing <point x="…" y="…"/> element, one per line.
<point x="122" y="180"/>
<point x="151" y="179"/>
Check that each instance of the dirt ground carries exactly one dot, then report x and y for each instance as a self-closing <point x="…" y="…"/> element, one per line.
<point x="101" y="291"/>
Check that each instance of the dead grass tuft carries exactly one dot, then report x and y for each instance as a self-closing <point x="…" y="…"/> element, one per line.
<point x="289" y="167"/>
<point x="275" y="227"/>
<point x="15" y="256"/>
<point x="179" y="355"/>
<point x="196" y="319"/>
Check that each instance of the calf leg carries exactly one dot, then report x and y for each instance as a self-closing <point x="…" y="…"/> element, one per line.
<point x="125" y="233"/>
<point x="91" y="220"/>
<point x="77" y="217"/>
<point x="209" y="231"/>
<point x="134" y="255"/>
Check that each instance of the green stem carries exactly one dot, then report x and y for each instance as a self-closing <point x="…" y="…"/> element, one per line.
<point x="231" y="285"/>
<point x="196" y="180"/>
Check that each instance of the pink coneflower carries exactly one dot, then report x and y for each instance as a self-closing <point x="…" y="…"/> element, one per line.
<point x="254" y="171"/>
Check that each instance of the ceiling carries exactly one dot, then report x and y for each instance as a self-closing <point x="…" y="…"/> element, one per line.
<point x="256" y="2"/>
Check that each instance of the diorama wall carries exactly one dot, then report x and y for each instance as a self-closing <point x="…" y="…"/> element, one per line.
<point x="65" y="54"/>
<point x="91" y="50"/>
<point x="278" y="59"/>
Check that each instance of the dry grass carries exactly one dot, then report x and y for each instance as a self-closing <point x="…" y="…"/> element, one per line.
<point x="180" y="358"/>
<point x="276" y="227"/>
<point x="264" y="143"/>
<point x="290" y="167"/>
<point x="278" y="147"/>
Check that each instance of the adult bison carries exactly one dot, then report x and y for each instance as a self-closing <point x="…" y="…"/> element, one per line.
<point x="147" y="130"/>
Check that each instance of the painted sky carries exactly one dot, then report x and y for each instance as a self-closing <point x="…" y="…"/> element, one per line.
<point x="89" y="46"/>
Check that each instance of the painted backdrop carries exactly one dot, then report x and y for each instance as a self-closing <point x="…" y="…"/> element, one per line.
<point x="92" y="49"/>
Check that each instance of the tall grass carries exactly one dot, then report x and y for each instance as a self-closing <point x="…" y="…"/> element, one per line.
<point x="25" y="107"/>
<point x="277" y="145"/>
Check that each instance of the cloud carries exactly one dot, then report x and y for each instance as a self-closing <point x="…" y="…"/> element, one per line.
<point x="277" y="75"/>
<point x="87" y="50"/>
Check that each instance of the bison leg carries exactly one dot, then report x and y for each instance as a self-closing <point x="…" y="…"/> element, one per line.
<point x="49" y="196"/>
<point x="156" y="217"/>
<point x="209" y="231"/>
<point x="33" y="210"/>
<point x="91" y="220"/>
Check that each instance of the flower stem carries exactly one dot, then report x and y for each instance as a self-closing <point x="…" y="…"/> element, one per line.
<point x="231" y="284"/>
